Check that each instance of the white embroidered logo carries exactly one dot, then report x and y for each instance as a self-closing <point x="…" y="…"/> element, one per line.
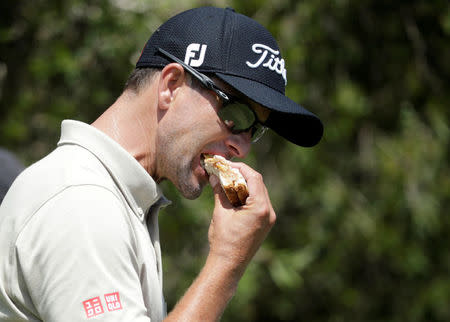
<point x="191" y="51"/>
<point x="273" y="62"/>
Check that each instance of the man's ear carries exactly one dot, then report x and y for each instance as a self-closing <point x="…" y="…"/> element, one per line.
<point x="172" y="78"/>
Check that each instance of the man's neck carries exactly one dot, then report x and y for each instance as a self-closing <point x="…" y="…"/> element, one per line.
<point x="131" y="122"/>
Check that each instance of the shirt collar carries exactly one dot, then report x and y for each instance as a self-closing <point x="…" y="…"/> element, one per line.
<point x="138" y="187"/>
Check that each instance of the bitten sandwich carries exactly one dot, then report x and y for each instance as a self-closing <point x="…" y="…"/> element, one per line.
<point x="231" y="180"/>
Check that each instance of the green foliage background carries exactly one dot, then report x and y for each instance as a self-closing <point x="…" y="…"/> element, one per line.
<point x="363" y="218"/>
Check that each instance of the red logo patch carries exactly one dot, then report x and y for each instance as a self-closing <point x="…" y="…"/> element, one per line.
<point x="93" y="307"/>
<point x="113" y="301"/>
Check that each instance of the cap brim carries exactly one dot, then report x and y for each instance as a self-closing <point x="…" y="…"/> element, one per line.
<point x="289" y="119"/>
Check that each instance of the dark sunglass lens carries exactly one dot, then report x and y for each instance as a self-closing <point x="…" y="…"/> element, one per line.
<point x="238" y="114"/>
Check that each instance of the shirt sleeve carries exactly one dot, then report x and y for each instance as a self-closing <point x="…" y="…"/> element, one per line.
<point x="77" y="256"/>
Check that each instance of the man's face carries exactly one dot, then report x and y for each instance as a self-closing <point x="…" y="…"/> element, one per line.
<point x="190" y="128"/>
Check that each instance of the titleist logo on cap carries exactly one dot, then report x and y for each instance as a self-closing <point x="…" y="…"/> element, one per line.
<point x="272" y="62"/>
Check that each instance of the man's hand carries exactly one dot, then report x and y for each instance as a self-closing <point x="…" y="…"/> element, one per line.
<point x="235" y="234"/>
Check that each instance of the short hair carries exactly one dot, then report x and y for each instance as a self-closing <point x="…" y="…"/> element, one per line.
<point x="140" y="77"/>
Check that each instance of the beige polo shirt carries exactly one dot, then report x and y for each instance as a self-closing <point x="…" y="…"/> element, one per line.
<point x="79" y="237"/>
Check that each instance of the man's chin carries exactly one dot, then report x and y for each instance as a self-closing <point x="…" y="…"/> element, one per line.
<point x="191" y="191"/>
<point x="190" y="183"/>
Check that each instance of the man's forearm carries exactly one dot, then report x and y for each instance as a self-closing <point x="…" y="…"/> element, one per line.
<point x="207" y="297"/>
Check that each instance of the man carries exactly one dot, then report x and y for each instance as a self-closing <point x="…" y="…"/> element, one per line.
<point x="79" y="229"/>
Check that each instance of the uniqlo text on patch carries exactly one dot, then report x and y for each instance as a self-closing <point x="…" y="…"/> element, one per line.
<point x="113" y="301"/>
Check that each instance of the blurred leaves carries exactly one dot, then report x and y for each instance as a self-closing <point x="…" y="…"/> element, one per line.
<point x="363" y="225"/>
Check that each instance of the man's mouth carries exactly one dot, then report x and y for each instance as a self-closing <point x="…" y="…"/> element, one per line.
<point x="202" y="164"/>
<point x="202" y="158"/>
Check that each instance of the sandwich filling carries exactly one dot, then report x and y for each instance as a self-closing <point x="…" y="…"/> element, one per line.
<point x="231" y="180"/>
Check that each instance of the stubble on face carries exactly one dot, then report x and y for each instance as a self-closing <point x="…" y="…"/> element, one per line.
<point x="187" y="133"/>
<point x="177" y="162"/>
<point x="186" y="186"/>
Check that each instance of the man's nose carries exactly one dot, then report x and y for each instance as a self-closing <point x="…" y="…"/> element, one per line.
<point x="239" y="144"/>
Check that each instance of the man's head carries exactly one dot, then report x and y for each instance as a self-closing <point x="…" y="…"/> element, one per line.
<point x="241" y="53"/>
<point x="220" y="80"/>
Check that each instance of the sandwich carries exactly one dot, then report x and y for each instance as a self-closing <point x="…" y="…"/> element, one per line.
<point x="232" y="181"/>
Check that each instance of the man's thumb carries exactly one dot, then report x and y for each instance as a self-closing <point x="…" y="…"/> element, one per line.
<point x="215" y="184"/>
<point x="219" y="194"/>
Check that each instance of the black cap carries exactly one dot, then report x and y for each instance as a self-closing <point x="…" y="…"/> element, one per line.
<point x="242" y="53"/>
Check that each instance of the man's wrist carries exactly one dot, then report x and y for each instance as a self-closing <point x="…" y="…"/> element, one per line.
<point x="224" y="270"/>
<point x="210" y="293"/>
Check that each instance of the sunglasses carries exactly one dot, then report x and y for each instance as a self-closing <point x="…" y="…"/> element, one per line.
<point x="237" y="116"/>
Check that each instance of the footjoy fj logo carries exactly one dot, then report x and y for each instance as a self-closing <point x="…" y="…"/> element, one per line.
<point x="272" y="62"/>
<point x="191" y="54"/>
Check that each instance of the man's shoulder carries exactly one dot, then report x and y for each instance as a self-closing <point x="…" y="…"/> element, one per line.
<point x="67" y="166"/>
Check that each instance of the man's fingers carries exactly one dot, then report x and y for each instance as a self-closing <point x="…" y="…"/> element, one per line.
<point x="254" y="179"/>
<point x="258" y="192"/>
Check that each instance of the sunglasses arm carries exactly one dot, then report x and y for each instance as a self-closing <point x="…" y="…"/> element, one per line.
<point x="205" y="80"/>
